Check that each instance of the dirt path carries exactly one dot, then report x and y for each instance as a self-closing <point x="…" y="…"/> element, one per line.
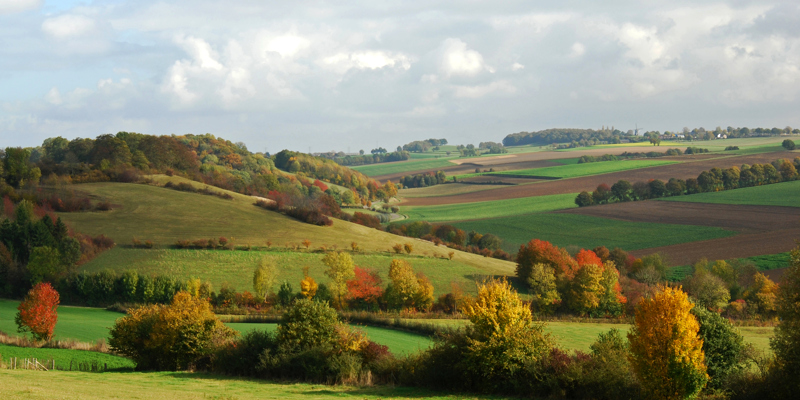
<point x="689" y="169"/>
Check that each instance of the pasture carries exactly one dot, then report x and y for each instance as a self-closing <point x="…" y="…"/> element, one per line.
<point x="83" y="324"/>
<point x="588" y="232"/>
<point x="166" y="216"/>
<point x="785" y="194"/>
<point x="235" y="268"/>
<point x="64" y="357"/>
<point x="489" y="209"/>
<point x="34" y="385"/>
<point x="403" y="166"/>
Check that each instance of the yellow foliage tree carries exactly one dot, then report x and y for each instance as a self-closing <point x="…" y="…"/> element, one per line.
<point x="264" y="277"/>
<point x="340" y="270"/>
<point x="544" y="292"/>
<point x="585" y="289"/>
<point x="503" y="337"/>
<point x="169" y="337"/>
<point x="423" y="300"/>
<point x="404" y="284"/>
<point x="666" y="351"/>
<point x="762" y="294"/>
<point x="308" y="286"/>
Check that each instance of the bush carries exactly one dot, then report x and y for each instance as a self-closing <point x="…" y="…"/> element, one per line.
<point x="788" y="144"/>
<point x="181" y="335"/>
<point x="723" y="347"/>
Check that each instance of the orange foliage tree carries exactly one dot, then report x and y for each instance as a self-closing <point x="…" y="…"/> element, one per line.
<point x="37" y="313"/>
<point x="365" y="287"/>
<point x="540" y="251"/>
<point x="666" y="350"/>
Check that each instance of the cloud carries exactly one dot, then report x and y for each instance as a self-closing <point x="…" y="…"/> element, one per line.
<point x="456" y="59"/>
<point x="68" y="26"/>
<point x="475" y="92"/>
<point x="15" y="6"/>
<point x="287" y="45"/>
<point x="367" y="60"/>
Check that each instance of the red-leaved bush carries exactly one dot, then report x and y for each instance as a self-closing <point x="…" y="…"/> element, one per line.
<point x="37" y="313"/>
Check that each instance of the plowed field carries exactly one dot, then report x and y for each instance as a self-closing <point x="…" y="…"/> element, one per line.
<point x="683" y="170"/>
<point x="763" y="229"/>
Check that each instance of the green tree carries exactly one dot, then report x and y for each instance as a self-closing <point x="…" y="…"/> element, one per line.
<point x="722" y="345"/>
<point x="264" y="277"/>
<point x="45" y="265"/>
<point x="622" y="190"/>
<point x="788" y="144"/>
<point x="308" y="324"/>
<point x="340" y="270"/>
<point x="584" y="199"/>
<point x="544" y="292"/>
<point x="786" y="342"/>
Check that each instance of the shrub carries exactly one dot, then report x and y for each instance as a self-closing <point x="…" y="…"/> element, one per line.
<point x="181" y="335"/>
<point x="37" y="313"/>
<point x="786" y="342"/>
<point x="788" y="144"/>
<point x="666" y="351"/>
<point x="398" y="248"/>
<point x="408" y="248"/>
<point x="722" y="346"/>
<point x="306" y="325"/>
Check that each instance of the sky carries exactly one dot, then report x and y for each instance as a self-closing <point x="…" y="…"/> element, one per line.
<point x="349" y="75"/>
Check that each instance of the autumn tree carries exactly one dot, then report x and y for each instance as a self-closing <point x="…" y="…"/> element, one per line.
<point x="722" y="345"/>
<point x="786" y="342"/>
<point x="264" y="277"/>
<point x="503" y="337"/>
<point x="340" y="270"/>
<point x="366" y="287"/>
<point x="539" y="251"/>
<point x="180" y="335"/>
<point x="308" y="286"/>
<point x="666" y="351"/>
<point x="37" y="313"/>
<point x="544" y="293"/>
<point x="404" y="285"/>
<point x="762" y="295"/>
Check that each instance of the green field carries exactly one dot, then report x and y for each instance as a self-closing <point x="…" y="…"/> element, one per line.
<point x="403" y="166"/>
<point x="589" y="232"/>
<point x="586" y="169"/>
<point x="399" y="342"/>
<point x="448" y="189"/>
<point x="236" y="267"/>
<point x="763" y="263"/>
<point x="779" y="194"/>
<point x="36" y="385"/>
<point x="490" y="209"/>
<point x="64" y="357"/>
<point x="165" y="216"/>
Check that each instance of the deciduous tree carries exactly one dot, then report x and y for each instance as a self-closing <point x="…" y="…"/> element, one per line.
<point x="666" y="351"/>
<point x="37" y="313"/>
<point x="340" y="270"/>
<point x="264" y="277"/>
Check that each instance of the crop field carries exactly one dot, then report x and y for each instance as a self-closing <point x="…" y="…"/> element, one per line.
<point x="402" y="166"/>
<point x="785" y="194"/>
<point x="35" y="385"/>
<point x="585" y="169"/>
<point x="165" y="216"/>
<point x="766" y="262"/>
<point x="691" y="168"/>
<point x="490" y="209"/>
<point x="588" y="232"/>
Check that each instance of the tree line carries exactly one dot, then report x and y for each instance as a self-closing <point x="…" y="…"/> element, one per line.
<point x="715" y="179"/>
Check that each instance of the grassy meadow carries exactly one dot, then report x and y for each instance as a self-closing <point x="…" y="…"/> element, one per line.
<point x="64" y="357"/>
<point x="764" y="262"/>
<point x="83" y="324"/>
<point x="785" y="194"/>
<point x="35" y="385"/>
<point x="449" y="189"/>
<point x="166" y="216"/>
<point x="235" y="268"/>
<point x="403" y="166"/>
<point x="490" y="209"/>
<point x="589" y="232"/>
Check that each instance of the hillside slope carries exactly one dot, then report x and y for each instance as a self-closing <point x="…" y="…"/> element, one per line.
<point x="165" y="216"/>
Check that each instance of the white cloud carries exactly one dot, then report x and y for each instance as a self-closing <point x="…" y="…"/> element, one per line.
<point x="578" y="49"/>
<point x="457" y="59"/>
<point x="53" y="96"/>
<point x="475" y="92"/>
<point x="287" y="45"/>
<point x="517" y="66"/>
<point x="15" y="6"/>
<point x="367" y="60"/>
<point x="68" y="26"/>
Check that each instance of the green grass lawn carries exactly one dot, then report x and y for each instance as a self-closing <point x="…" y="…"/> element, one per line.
<point x="403" y="166"/>
<point x="586" y="169"/>
<point x="165" y="216"/>
<point x="589" y="232"/>
<point x="34" y="385"/>
<point x="236" y="267"/>
<point x="779" y="194"/>
<point x="490" y="209"/>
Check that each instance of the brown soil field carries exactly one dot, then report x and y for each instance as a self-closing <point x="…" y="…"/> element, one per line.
<point x="689" y="169"/>
<point x="763" y="229"/>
